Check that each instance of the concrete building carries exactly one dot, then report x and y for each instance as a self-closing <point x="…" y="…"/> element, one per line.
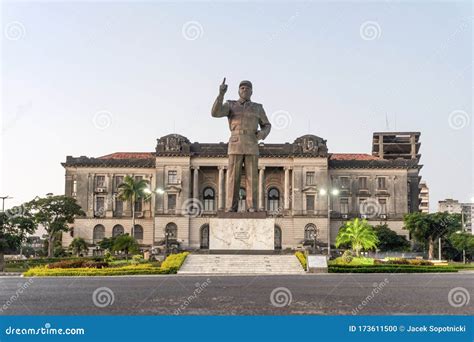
<point x="424" y="197"/>
<point x="296" y="186"/>
<point x="453" y="206"/>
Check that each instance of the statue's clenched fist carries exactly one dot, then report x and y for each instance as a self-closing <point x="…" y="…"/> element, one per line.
<point x="223" y="87"/>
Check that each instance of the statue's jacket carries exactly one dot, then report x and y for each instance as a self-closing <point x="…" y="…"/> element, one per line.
<point x="244" y="120"/>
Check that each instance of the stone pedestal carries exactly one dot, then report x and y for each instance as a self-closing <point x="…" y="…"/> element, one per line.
<point x="317" y="264"/>
<point x="242" y="234"/>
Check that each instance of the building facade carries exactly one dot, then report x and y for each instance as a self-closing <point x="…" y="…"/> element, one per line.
<point x="453" y="206"/>
<point x="308" y="191"/>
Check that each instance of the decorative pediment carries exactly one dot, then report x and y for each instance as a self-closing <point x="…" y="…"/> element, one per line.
<point x="173" y="144"/>
<point x="310" y="145"/>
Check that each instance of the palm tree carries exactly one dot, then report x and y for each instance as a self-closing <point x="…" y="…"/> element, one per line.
<point x="133" y="190"/>
<point x="359" y="234"/>
<point x="78" y="245"/>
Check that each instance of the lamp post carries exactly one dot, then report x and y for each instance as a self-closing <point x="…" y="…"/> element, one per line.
<point x="333" y="192"/>
<point x="3" y="198"/>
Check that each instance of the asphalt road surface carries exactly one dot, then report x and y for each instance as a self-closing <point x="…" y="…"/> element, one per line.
<point x="325" y="294"/>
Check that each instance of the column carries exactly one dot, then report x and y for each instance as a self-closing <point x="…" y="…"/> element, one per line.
<point x="261" y="195"/>
<point x="220" y="192"/>
<point x="287" y="188"/>
<point x="195" y="183"/>
<point x="226" y="204"/>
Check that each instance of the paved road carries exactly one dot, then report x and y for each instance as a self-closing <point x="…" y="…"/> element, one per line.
<point x="327" y="294"/>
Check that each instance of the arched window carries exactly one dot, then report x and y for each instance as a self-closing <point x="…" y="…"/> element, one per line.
<point x="138" y="232"/>
<point x="117" y="230"/>
<point x="277" y="237"/>
<point x="171" y="230"/>
<point x="209" y="199"/>
<point x="99" y="233"/>
<point x="310" y="232"/>
<point x="273" y="199"/>
<point x="205" y="236"/>
<point x="242" y="199"/>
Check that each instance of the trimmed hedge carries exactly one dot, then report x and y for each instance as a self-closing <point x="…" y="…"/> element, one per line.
<point x="173" y="262"/>
<point x="302" y="258"/>
<point x="170" y="266"/>
<point x="44" y="271"/>
<point x="389" y="269"/>
<point x="78" y="264"/>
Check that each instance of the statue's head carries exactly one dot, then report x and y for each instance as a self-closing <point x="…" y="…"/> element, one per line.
<point x="245" y="90"/>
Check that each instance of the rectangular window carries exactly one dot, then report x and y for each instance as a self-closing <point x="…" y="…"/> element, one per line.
<point x="344" y="182"/>
<point x="138" y="178"/>
<point x="118" y="207"/>
<point x="118" y="181"/>
<point x="172" y="177"/>
<point x="100" y="181"/>
<point x="171" y="202"/>
<point x="310" y="202"/>
<point x="100" y="206"/>
<point x="383" y="206"/>
<point x="139" y="206"/>
<point x="362" y="183"/>
<point x="310" y="178"/>
<point x="344" y="206"/>
<point x="74" y="187"/>
<point x="381" y="183"/>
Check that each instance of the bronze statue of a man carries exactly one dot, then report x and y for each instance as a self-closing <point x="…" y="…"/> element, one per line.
<point x="244" y="118"/>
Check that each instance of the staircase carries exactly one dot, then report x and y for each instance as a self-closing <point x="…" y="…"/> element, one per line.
<point x="241" y="264"/>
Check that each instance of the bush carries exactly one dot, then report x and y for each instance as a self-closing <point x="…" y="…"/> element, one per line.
<point x="389" y="269"/>
<point x="347" y="256"/>
<point x="78" y="264"/>
<point x="302" y="258"/>
<point x="137" y="259"/>
<point x="355" y="261"/>
<point x="398" y="261"/>
<point x="420" y="262"/>
<point x="44" y="271"/>
<point x="173" y="262"/>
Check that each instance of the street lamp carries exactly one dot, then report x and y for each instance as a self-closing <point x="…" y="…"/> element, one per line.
<point x="3" y="198"/>
<point x="333" y="192"/>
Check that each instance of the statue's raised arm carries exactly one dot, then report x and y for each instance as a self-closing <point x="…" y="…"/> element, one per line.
<point x="219" y="109"/>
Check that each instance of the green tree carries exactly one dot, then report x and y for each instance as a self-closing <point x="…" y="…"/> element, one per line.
<point x="389" y="240"/>
<point x="125" y="243"/>
<point x="78" y="245"/>
<point x="54" y="213"/>
<point x="427" y="228"/>
<point x="358" y="234"/>
<point x="133" y="190"/>
<point x="107" y="243"/>
<point x="15" y="224"/>
<point x="462" y="241"/>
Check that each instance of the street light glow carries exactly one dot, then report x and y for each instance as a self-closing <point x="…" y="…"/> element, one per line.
<point x="322" y="192"/>
<point x="160" y="191"/>
<point x="335" y="192"/>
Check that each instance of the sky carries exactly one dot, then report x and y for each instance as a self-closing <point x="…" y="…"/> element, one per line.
<point x="97" y="77"/>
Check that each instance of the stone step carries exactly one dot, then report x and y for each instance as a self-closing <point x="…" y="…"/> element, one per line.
<point x="241" y="264"/>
